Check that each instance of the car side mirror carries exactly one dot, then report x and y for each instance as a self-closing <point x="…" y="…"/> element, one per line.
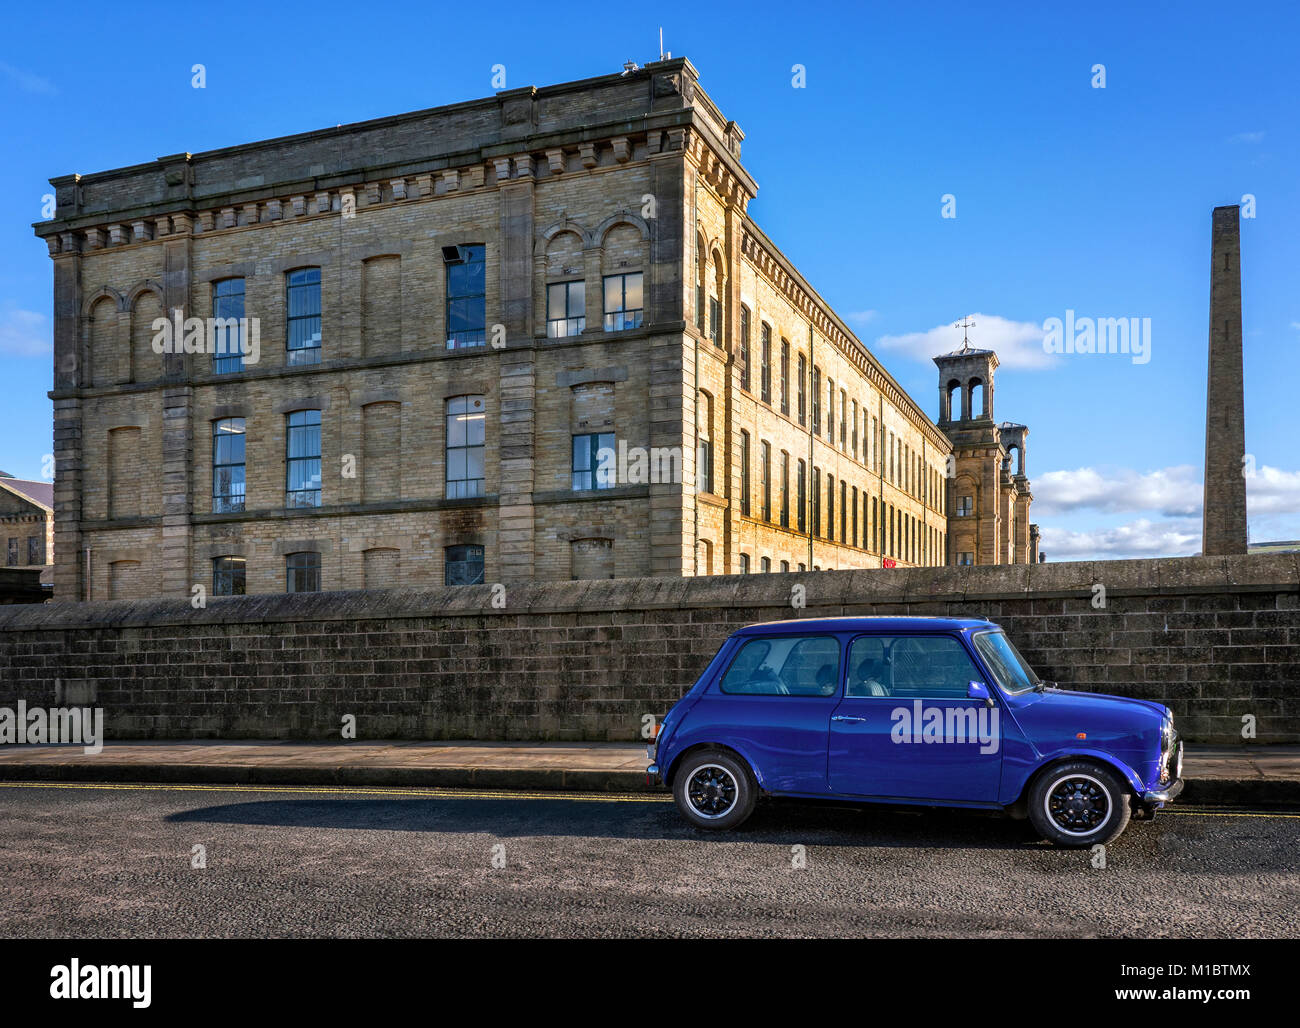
<point x="979" y="691"/>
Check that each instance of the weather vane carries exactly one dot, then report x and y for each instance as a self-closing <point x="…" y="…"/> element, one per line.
<point x="964" y="325"/>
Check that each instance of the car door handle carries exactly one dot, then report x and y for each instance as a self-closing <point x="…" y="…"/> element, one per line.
<point x="845" y="717"/>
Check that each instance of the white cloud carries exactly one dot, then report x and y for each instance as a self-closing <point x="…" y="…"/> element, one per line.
<point x="1273" y="491"/>
<point x="25" y="334"/>
<point x="26" y="81"/>
<point x="863" y="317"/>
<point x="1019" y="344"/>
<point x="1247" y="137"/>
<point x="1179" y="537"/>
<point x="1173" y="492"/>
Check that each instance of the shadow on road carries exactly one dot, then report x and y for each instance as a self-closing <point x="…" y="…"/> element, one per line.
<point x="773" y="822"/>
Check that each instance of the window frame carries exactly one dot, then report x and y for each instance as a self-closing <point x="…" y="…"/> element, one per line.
<point x="290" y="462"/>
<point x="299" y="355"/>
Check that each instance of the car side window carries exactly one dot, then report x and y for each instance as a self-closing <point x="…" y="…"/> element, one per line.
<point x="909" y="666"/>
<point x="785" y="666"/>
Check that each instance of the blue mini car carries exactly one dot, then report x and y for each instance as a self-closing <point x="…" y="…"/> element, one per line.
<point x="940" y="712"/>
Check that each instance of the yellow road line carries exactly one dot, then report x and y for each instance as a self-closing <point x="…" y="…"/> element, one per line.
<point x="326" y="790"/>
<point x="1229" y="813"/>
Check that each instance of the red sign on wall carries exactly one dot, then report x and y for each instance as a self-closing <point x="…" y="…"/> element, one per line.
<point x="888" y="562"/>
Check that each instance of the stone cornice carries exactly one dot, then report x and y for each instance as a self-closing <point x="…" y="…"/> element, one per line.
<point x="768" y="261"/>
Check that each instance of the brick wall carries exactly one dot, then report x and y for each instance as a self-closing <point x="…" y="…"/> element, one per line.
<point x="1214" y="638"/>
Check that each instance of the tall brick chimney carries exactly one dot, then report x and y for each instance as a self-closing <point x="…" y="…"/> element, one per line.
<point x="1223" y="524"/>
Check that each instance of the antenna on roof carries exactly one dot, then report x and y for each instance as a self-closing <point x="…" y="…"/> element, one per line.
<point x="662" y="56"/>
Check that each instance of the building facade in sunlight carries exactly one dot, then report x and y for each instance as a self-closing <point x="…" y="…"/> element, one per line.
<point x="533" y="337"/>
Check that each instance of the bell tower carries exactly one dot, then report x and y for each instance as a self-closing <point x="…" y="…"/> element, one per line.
<point x="987" y="492"/>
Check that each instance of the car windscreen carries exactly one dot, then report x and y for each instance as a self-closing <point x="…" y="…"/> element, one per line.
<point x="1011" y="670"/>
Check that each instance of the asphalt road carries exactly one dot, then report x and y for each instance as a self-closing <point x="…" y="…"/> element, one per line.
<point x="96" y="861"/>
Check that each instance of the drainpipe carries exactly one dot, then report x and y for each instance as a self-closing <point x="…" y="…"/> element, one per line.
<point x="813" y="399"/>
<point x="86" y="590"/>
<point x="695" y="243"/>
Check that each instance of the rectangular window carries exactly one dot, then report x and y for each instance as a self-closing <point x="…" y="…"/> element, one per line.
<point x="623" y="302"/>
<point x="785" y="567"/>
<point x="830" y="411"/>
<point x="854" y="428"/>
<point x="765" y="369"/>
<point x="302" y="573"/>
<point x="965" y="506"/>
<point x="785" y="377"/>
<point x="463" y="565"/>
<point x="801" y="497"/>
<point x="765" y="565"/>
<point x="303" y="323"/>
<point x="844" y="420"/>
<point x="11" y="552"/>
<point x="466" y="434"/>
<point x="744" y="563"/>
<point x="785" y="489"/>
<point x="844" y="511"/>
<point x="744" y="473"/>
<point x="965" y="557"/>
<point x="816" y="502"/>
<point x="744" y="348"/>
<point x="830" y="506"/>
<point x="855" y="515"/>
<point x="227" y="310"/>
<point x="588" y="472"/>
<point x="800" y="390"/>
<point x="228" y="576"/>
<point x="875" y="527"/>
<point x="765" y="478"/>
<point x="35" y="550"/>
<point x="792" y="665"/>
<point x="566" y="309"/>
<point x="912" y="667"/>
<point x="466" y="296"/>
<point x="816" y="400"/>
<point x="227" y="465"/>
<point x="302" y="459"/>
<point x="715" y="321"/>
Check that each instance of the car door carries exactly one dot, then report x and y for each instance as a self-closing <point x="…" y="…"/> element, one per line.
<point x="905" y="727"/>
<point x="773" y="704"/>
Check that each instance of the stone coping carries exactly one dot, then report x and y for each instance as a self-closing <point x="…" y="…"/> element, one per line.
<point x="827" y="592"/>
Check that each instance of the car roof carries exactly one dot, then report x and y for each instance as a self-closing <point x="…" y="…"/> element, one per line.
<point x="889" y="623"/>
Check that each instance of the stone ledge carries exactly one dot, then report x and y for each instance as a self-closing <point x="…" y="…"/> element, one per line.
<point x="828" y="593"/>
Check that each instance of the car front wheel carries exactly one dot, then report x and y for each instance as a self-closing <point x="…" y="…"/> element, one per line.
<point x="714" y="790"/>
<point x="1080" y="804"/>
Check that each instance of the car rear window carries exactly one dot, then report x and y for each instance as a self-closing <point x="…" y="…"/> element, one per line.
<point x="795" y="665"/>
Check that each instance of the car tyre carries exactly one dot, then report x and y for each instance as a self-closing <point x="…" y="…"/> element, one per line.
<point x="714" y="790"/>
<point x="1080" y="803"/>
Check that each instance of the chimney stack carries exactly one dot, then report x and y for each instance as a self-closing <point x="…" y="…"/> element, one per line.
<point x="1223" y="524"/>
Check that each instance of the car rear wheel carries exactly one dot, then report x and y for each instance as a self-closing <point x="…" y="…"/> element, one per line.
<point x="1081" y="803"/>
<point x="714" y="790"/>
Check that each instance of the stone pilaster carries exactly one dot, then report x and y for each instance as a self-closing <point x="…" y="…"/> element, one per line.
<point x="516" y="536"/>
<point x="69" y="373"/>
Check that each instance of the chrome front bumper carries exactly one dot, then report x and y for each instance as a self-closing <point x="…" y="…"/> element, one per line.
<point x="1169" y="792"/>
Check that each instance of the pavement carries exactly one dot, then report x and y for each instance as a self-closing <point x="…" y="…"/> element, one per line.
<point x="131" y="861"/>
<point x="1258" y="775"/>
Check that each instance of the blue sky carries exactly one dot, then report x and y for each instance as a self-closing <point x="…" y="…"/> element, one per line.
<point x="1067" y="197"/>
